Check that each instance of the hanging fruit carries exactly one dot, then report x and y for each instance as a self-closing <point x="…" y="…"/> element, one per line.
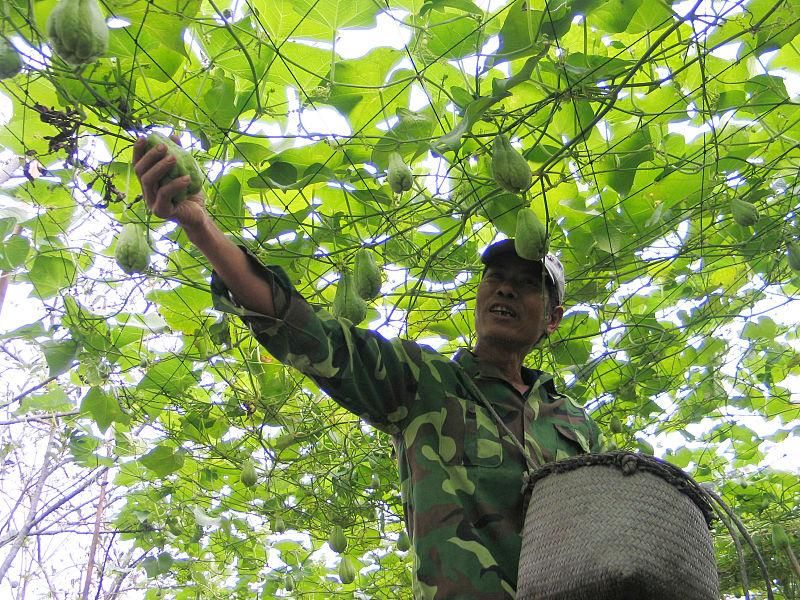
<point x="530" y="238"/>
<point x="347" y="571"/>
<point x="347" y="303"/>
<point x="367" y="275"/>
<point x="399" y="174"/>
<point x="78" y="31"/>
<point x="132" y="252"/>
<point x="744" y="213"/>
<point x="337" y="540"/>
<point x="509" y="168"/>
<point x="248" y="476"/>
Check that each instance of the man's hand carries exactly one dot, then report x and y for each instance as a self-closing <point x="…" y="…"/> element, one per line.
<point x="246" y="282"/>
<point x="150" y="167"/>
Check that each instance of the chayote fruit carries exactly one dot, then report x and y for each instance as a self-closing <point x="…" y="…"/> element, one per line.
<point x="185" y="164"/>
<point x="132" y="252"/>
<point x="347" y="303"/>
<point x="530" y="239"/>
<point x="399" y="174"/>
<point x="248" y="476"/>
<point x="793" y="256"/>
<point x="616" y="425"/>
<point x="78" y="32"/>
<point x="780" y="540"/>
<point x="337" y="540"/>
<point x="744" y="213"/>
<point x="367" y="275"/>
<point x="347" y="571"/>
<point x="403" y="543"/>
<point x="10" y="62"/>
<point x="279" y="525"/>
<point x="509" y="168"/>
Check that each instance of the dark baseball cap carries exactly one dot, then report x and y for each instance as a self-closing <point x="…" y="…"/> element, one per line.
<point x="553" y="266"/>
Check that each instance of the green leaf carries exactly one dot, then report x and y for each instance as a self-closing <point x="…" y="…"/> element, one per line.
<point x="779" y="23"/>
<point x="476" y="108"/>
<point x="614" y="16"/>
<point x="219" y="102"/>
<point x="103" y="408"/>
<point x="159" y="565"/>
<point x="766" y="92"/>
<point x="182" y="308"/>
<point x="59" y="355"/>
<point x="54" y="400"/>
<point x="51" y="272"/>
<point x="169" y="376"/>
<point x="285" y="176"/>
<point x="623" y="161"/>
<point x="83" y="447"/>
<point x="523" y="29"/>
<point x="228" y="204"/>
<point x="336" y="14"/>
<point x="13" y="252"/>
<point x="441" y="5"/>
<point x="404" y="138"/>
<point x="26" y="332"/>
<point x="452" y="141"/>
<point x="762" y="329"/>
<point x="163" y="460"/>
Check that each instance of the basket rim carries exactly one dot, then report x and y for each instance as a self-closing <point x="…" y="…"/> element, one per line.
<point x="629" y="463"/>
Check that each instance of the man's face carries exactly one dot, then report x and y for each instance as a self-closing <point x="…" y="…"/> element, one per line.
<point x="512" y="306"/>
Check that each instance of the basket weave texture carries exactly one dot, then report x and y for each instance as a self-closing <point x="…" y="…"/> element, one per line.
<point x="618" y="526"/>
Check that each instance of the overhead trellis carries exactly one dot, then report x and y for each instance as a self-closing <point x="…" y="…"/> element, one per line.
<point x="642" y="122"/>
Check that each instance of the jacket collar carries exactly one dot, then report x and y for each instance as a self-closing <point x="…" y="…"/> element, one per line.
<point x="477" y="370"/>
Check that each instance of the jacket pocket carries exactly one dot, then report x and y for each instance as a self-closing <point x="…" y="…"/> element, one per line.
<point x="482" y="445"/>
<point x="468" y="436"/>
<point x="571" y="441"/>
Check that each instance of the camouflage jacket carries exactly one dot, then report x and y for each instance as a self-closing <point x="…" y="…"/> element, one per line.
<point x="460" y="474"/>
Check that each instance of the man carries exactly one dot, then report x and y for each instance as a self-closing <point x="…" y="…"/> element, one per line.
<point x="461" y="470"/>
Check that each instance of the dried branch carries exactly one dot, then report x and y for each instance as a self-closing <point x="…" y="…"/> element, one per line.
<point x="37" y="493"/>
<point x="101" y="502"/>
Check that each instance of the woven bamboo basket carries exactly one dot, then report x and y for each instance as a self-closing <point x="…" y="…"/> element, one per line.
<point x="616" y="526"/>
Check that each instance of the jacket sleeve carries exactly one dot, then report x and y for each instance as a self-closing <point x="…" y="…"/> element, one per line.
<point x="361" y="370"/>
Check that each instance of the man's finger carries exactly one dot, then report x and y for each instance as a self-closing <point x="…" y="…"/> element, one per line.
<point x="152" y="175"/>
<point x="139" y="149"/>
<point x="163" y="205"/>
<point x="151" y="160"/>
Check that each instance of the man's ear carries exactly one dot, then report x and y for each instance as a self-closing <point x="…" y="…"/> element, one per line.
<point x="554" y="319"/>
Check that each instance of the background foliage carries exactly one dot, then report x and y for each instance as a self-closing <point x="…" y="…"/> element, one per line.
<point x="131" y="404"/>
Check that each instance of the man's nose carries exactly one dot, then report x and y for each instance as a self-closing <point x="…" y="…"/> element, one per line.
<point x="506" y="289"/>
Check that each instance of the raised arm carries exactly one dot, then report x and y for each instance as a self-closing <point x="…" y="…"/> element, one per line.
<point x="227" y="259"/>
<point x="372" y="377"/>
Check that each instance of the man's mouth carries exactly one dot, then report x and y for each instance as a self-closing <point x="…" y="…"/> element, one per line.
<point x="502" y="310"/>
